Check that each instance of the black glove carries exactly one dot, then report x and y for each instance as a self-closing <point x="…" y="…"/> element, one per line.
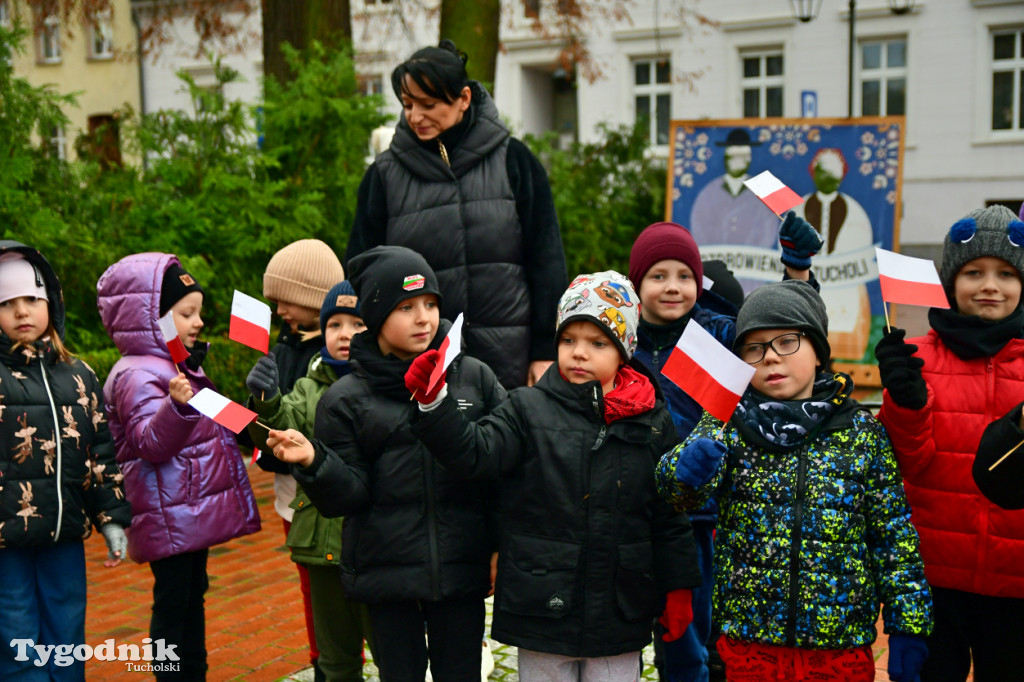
<point x="262" y="379"/>
<point x="901" y="370"/>
<point x="799" y="242"/>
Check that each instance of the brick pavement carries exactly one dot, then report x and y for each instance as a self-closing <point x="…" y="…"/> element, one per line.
<point x="254" y="628"/>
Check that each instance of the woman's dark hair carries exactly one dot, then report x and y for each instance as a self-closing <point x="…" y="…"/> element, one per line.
<point x="439" y="71"/>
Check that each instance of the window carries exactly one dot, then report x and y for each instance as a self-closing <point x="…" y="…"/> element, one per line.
<point x="883" y="78"/>
<point x="652" y="96"/>
<point x="1008" y="80"/>
<point x="101" y="34"/>
<point x="105" y="140"/>
<point x="762" y="85"/>
<point x="5" y="14"/>
<point x="370" y="84"/>
<point x="48" y="41"/>
<point x="57" y="142"/>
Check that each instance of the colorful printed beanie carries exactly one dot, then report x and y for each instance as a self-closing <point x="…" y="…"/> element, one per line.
<point x="606" y="299"/>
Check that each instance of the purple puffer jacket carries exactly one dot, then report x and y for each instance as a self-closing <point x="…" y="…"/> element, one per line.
<point x="183" y="473"/>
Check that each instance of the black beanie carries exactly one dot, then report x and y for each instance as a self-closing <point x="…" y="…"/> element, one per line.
<point x="790" y="304"/>
<point x="177" y="284"/>
<point x="340" y="299"/>
<point x="385" y="276"/>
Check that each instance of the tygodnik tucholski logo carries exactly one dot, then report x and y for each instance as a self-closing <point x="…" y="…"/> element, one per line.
<point x="152" y="656"/>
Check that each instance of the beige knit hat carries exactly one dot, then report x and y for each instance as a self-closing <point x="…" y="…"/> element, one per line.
<point x="302" y="273"/>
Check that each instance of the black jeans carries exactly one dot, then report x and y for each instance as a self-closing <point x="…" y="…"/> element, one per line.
<point x="456" y="631"/>
<point x="989" y="630"/>
<point x="179" y="618"/>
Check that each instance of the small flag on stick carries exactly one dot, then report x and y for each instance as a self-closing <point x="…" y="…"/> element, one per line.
<point x="250" y="322"/>
<point x="224" y="411"/>
<point x="773" y="192"/>
<point x="912" y="281"/>
<point x="707" y="371"/>
<point x="170" y="333"/>
<point x="450" y="347"/>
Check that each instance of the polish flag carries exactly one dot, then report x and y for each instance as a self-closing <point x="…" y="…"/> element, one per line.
<point x="708" y="371"/>
<point x="170" y="332"/>
<point x="250" y="322"/>
<point x="450" y="347"/>
<point x="224" y="411"/>
<point x="913" y="281"/>
<point x="773" y="192"/>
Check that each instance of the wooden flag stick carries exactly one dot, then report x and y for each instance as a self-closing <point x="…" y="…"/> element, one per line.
<point x="885" y="309"/>
<point x="1000" y="460"/>
<point x="268" y="428"/>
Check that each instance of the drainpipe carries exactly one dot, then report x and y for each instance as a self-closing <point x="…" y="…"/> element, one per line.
<point x="142" y="75"/>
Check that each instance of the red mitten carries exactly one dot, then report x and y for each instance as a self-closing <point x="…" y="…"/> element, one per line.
<point x="417" y="377"/>
<point x="678" y="614"/>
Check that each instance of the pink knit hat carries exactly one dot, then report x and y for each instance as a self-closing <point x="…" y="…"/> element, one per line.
<point x="663" y="241"/>
<point x="18" y="277"/>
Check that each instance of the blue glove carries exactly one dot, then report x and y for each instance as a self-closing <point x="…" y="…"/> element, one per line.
<point x="907" y="654"/>
<point x="699" y="461"/>
<point x="799" y="242"/>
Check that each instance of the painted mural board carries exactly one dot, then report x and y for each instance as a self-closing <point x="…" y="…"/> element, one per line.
<point x="848" y="171"/>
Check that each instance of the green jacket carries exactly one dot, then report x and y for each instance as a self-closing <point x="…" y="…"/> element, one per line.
<point x="313" y="538"/>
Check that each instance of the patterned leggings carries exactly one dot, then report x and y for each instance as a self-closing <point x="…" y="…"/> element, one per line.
<point x="751" y="662"/>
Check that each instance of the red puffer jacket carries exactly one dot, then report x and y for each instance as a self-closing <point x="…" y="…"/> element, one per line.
<point x="967" y="542"/>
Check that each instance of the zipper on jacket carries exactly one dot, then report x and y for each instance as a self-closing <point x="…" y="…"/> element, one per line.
<point x="435" y="562"/>
<point x="56" y="437"/>
<point x="654" y="356"/>
<point x="794" y="549"/>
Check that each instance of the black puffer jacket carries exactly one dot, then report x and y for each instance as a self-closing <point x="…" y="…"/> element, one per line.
<point x="588" y="549"/>
<point x="486" y="225"/>
<point x="58" y="476"/>
<point x="412" y="530"/>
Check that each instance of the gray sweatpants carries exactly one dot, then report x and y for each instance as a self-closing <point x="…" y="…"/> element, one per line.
<point x="539" y="667"/>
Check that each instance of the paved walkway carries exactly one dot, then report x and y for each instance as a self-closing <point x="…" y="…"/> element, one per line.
<point x="254" y="629"/>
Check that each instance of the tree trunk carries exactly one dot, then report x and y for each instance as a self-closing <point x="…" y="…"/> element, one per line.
<point x="299" y="22"/>
<point x="473" y="26"/>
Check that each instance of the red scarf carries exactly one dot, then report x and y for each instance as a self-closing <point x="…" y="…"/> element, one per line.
<point x="633" y="394"/>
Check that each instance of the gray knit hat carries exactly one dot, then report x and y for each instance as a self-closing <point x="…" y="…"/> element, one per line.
<point x="790" y="304"/>
<point x="608" y="300"/>
<point x="302" y="273"/>
<point x="992" y="231"/>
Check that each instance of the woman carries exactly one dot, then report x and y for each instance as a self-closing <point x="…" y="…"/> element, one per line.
<point x="475" y="202"/>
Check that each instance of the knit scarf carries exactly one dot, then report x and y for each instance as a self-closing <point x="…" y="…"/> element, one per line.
<point x="784" y="425"/>
<point x="970" y="337"/>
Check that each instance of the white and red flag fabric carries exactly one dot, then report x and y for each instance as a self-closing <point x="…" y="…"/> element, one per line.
<point x="222" y="410"/>
<point x="250" y="322"/>
<point x="708" y="371"/>
<point x="908" y="280"/>
<point x="170" y="333"/>
<point x="773" y="192"/>
<point x="449" y="348"/>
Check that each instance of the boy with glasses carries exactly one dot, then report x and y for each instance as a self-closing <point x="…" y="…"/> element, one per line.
<point x="814" y="531"/>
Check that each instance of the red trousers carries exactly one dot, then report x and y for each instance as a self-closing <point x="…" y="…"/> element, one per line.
<point x="307" y="604"/>
<point x="750" y="662"/>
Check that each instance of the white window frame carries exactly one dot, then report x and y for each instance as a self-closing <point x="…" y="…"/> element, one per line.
<point x="1014" y="66"/>
<point x="58" y="142"/>
<point x="48" y="45"/>
<point x="5" y="13"/>
<point x="762" y="82"/>
<point x="101" y="29"/>
<point x="652" y="90"/>
<point x="883" y="74"/>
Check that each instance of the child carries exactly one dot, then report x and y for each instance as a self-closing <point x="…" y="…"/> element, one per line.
<point x="58" y="477"/>
<point x="416" y="543"/>
<point x="813" y="529"/>
<point x="183" y="473"/>
<point x="942" y="391"/>
<point x="588" y="552"/>
<point x="340" y="625"/>
<point x="667" y="272"/>
<point x="296" y="280"/>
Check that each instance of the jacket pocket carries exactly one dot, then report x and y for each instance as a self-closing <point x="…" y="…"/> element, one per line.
<point x="636" y="591"/>
<point x="302" y="533"/>
<point x="539" y="576"/>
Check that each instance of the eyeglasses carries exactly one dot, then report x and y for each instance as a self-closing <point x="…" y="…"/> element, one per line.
<point x="783" y="344"/>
